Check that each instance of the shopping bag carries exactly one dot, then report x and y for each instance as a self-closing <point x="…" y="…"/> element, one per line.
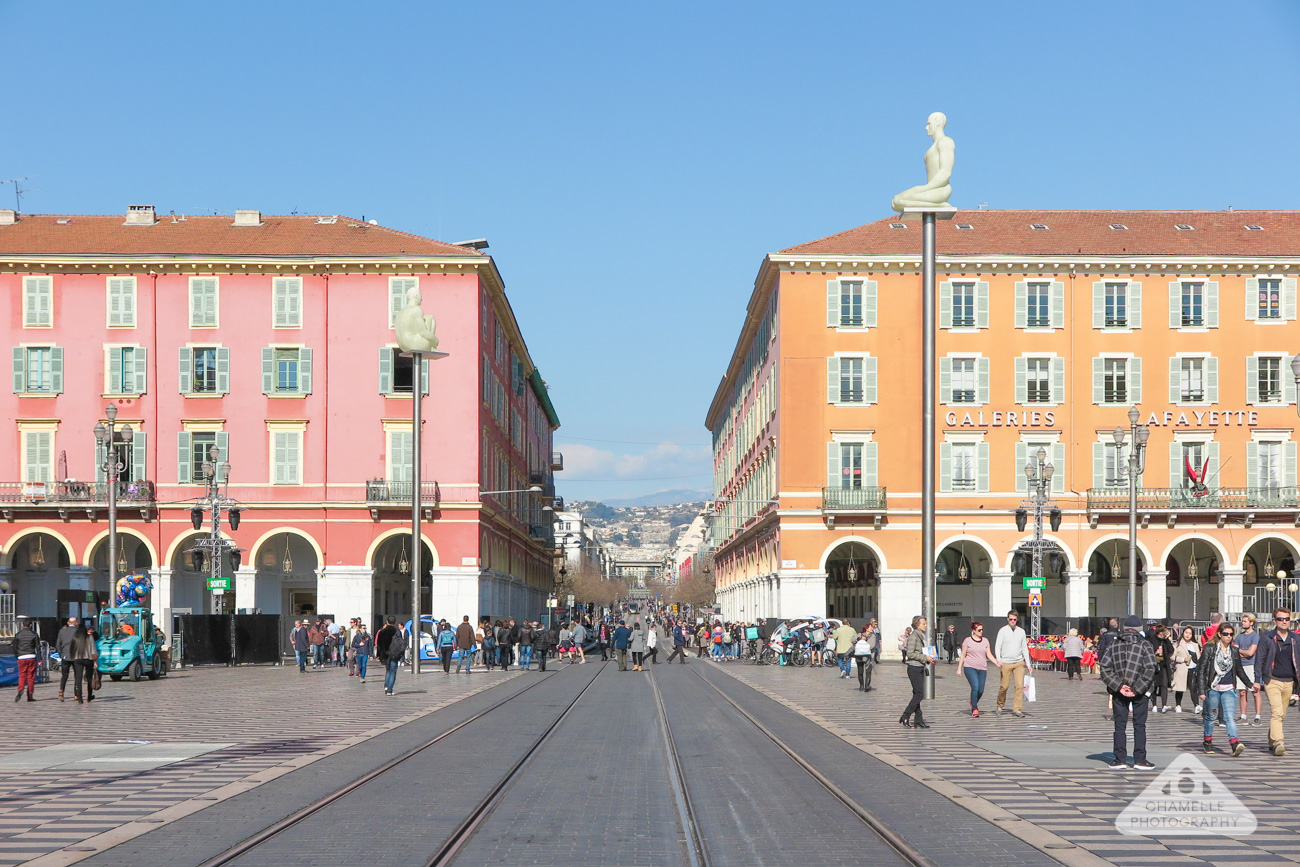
<point x="1031" y="691"/>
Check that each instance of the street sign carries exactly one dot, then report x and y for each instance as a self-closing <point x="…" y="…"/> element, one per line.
<point x="1034" y="583"/>
<point x="218" y="583"/>
<point x="570" y="600"/>
<point x="1035" y="598"/>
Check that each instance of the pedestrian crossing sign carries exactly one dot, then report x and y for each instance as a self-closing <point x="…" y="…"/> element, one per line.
<point x="1035" y="598"/>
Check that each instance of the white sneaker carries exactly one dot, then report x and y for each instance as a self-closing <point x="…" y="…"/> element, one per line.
<point x="1178" y="709"/>
<point x="1196" y="709"/>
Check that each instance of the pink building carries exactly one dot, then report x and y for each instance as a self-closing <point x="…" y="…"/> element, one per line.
<point x="271" y="339"/>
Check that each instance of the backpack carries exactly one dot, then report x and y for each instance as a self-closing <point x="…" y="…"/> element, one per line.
<point x="862" y="647"/>
<point x="726" y="638"/>
<point x="447" y="638"/>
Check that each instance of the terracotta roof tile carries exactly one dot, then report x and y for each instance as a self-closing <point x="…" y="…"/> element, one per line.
<point x="297" y="235"/>
<point x="1073" y="233"/>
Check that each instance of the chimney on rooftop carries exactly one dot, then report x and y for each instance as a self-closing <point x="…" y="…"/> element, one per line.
<point x="248" y="218"/>
<point x="8" y="216"/>
<point x="140" y="215"/>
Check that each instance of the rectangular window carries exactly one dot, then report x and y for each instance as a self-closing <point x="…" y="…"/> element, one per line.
<point x="1116" y="305"/>
<point x="201" y="444"/>
<point x="1115" y="380"/>
<point x="121" y="302"/>
<point x="850" y="465"/>
<point x="963" y="380"/>
<point x="1038" y="380"/>
<point x="286" y="371"/>
<point x="1270" y="299"/>
<point x="204" y="370"/>
<point x="397" y="289"/>
<point x="1194" y="455"/>
<point x="1268" y="469"/>
<point x="37" y="450"/>
<point x="286" y="455"/>
<point x="39" y="370"/>
<point x="38" y="302"/>
<point x="963" y="305"/>
<point x="1193" y="305"/>
<point x="203" y="302"/>
<point x="963" y="466"/>
<point x="1039" y="305"/>
<point x="850" y="380"/>
<point x="286" y="302"/>
<point x="126" y="370"/>
<point x="851" y="303"/>
<point x="1116" y="470"/>
<point x="1269" y="379"/>
<point x="400" y="456"/>
<point x="1191" y="382"/>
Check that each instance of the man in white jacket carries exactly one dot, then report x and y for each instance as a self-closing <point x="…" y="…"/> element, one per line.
<point x="1012" y="651"/>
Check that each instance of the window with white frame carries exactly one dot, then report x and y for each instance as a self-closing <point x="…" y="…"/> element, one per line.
<point x="1116" y="310"/>
<point x="38" y="451"/>
<point x="1193" y="301"/>
<point x="193" y="448"/>
<point x="1193" y="466"/>
<point x="401" y="455"/>
<point x="286" y="302"/>
<point x="38" y="370"/>
<point x="204" y="370"/>
<point x="397" y="372"/>
<point x="1191" y="382"/>
<point x="1115" y="381"/>
<point x="1115" y="465"/>
<point x="204" y="302"/>
<point x="397" y="289"/>
<point x="1027" y="452"/>
<point x="1193" y="379"/>
<point x="286" y="370"/>
<point x="121" y="302"/>
<point x="851" y="379"/>
<point x="1038" y="380"/>
<point x="125" y="369"/>
<point x="964" y="465"/>
<point x="1117" y="304"/>
<point x="963" y="305"/>
<point x="963" y="462"/>
<point x="1269" y="298"/>
<point x="286" y="455"/>
<point x="963" y="380"/>
<point x="1038" y="300"/>
<point x="851" y="303"/>
<point x="1271" y="469"/>
<point x="38" y="302"/>
<point x="1269" y="381"/>
<point x="1268" y="464"/>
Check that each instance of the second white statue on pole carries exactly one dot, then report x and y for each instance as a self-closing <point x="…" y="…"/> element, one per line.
<point x="937" y="189"/>
<point x="415" y="330"/>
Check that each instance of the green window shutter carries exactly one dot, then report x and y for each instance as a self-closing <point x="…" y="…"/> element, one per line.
<point x="832" y="380"/>
<point x="280" y="302"/>
<point x="870" y="466"/>
<point x="400" y="454"/>
<point x="1134" y="304"/>
<point x="1099" y="380"/>
<point x="982" y="304"/>
<point x="982" y="380"/>
<point x="1288" y="383"/>
<point x="1252" y="465"/>
<point x="185" y="362"/>
<point x="982" y="458"/>
<point x="1212" y="472"/>
<point x="1175" y="305"/>
<point x="1135" y="381"/>
<point x="833" y="303"/>
<point x="37" y="468"/>
<point x="869" y="379"/>
<point x="1289" y="456"/>
<point x="833" y="465"/>
<point x="1212" y="303"/>
<point x="1099" y="304"/>
<point x="114" y="370"/>
<point x="945" y="304"/>
<point x="139" y="453"/>
<point x="1252" y="380"/>
<point x="223" y="370"/>
<point x="945" y="380"/>
<point x="1176" y="468"/>
<point x="397" y="289"/>
<point x="945" y="467"/>
<point x="1022" y="303"/>
<point x="1058" y="380"/>
<point x="20" y="369"/>
<point x="223" y="448"/>
<point x="1022" y="458"/>
<point x="1252" y="299"/>
<point x="281" y="457"/>
<point x="183" y="464"/>
<point x="870" y="294"/>
<point x="1022" y="380"/>
<point x="424" y="380"/>
<point x="140" y="356"/>
<point x="304" y="370"/>
<point x="56" y="369"/>
<point x="127" y="382"/>
<point x="114" y="301"/>
<point x="1058" y="459"/>
<point x="287" y="301"/>
<point x="385" y="370"/>
<point x="1099" y="465"/>
<point x="1175" y="371"/>
<point x="100" y="452"/>
<point x="1058" y="304"/>
<point x="1212" y="380"/>
<point x="268" y="370"/>
<point x="1288" y="298"/>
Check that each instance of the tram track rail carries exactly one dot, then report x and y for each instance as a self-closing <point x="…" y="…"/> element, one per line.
<point x="896" y="841"/>
<point x="697" y="851"/>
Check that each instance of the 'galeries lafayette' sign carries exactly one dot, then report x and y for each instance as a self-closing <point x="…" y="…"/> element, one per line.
<point x="1047" y="418"/>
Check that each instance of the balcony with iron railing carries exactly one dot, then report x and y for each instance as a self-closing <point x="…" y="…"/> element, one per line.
<point x="70" y="494"/>
<point x="557" y="462"/>
<point x="854" y="500"/>
<point x="1179" y="499"/>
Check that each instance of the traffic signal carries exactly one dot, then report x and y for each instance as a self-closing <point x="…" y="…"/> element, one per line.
<point x="1022" y="518"/>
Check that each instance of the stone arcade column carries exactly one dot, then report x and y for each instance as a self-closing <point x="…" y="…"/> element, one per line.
<point x="456" y="593"/>
<point x="1076" y="595"/>
<point x="344" y="591"/>
<point x="1231" y="592"/>
<point x="161" y="597"/>
<point x="900" y="601"/>
<point x="1154" y="595"/>
<point x="802" y="594"/>
<point x="246" y="588"/>
<point x="999" y="595"/>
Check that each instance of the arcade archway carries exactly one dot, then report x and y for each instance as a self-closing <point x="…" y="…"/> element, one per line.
<point x="852" y="580"/>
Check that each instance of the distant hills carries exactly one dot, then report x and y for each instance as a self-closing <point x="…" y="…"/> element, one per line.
<point x="674" y="497"/>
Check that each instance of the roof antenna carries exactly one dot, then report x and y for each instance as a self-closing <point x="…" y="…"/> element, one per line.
<point x="18" y="191"/>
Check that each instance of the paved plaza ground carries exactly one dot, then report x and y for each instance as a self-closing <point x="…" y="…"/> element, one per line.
<point x="178" y="770"/>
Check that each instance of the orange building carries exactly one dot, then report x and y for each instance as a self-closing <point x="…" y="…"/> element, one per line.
<point x="1052" y="325"/>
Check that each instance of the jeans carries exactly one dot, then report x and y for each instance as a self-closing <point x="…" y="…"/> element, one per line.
<point x="464" y="659"/>
<point x="976" y="680"/>
<point x="302" y="659"/>
<point x="525" y="655"/>
<point x="845" y="663"/>
<point x="362" y="659"/>
<point x="390" y="674"/>
<point x="717" y="650"/>
<point x="1227" y="704"/>
<point x="1121" y="705"/>
<point x="318" y="655"/>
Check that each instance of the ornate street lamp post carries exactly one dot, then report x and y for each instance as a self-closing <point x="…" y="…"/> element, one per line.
<point x="114" y="462"/>
<point x="1137" y="462"/>
<point x="1038" y="472"/>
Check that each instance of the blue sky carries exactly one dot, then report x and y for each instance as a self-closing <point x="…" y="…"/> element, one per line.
<point x="632" y="163"/>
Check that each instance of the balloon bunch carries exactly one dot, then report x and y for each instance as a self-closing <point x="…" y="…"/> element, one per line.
<point x="132" y="589"/>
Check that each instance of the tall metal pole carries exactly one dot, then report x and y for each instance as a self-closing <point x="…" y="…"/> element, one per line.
<point x="1133" y="460"/>
<point x="1040" y="495"/>
<point x="111" y="470"/>
<point x="417" y="398"/>
<point x="928" y="588"/>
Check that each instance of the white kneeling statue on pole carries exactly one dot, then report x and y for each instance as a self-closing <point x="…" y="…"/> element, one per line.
<point x="415" y="330"/>
<point x="937" y="189"/>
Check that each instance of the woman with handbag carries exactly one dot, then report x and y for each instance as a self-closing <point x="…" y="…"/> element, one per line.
<point x="85" y="661"/>
<point x="1186" y="652"/>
